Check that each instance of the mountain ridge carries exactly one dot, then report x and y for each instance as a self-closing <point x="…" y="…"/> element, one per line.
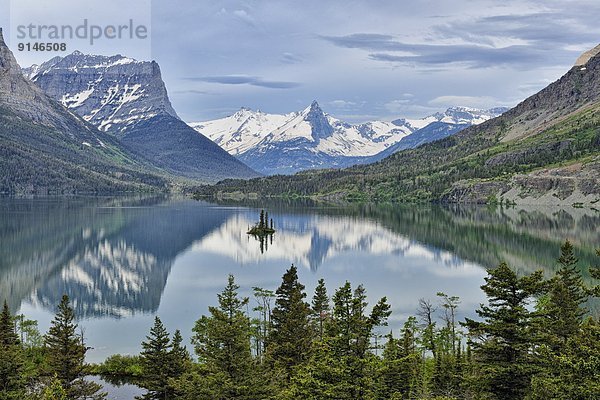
<point x="311" y="138"/>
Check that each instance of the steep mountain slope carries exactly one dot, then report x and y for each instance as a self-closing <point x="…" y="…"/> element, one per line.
<point x="309" y="139"/>
<point x="45" y="148"/>
<point x="544" y="150"/>
<point x="434" y="131"/>
<point x="128" y="98"/>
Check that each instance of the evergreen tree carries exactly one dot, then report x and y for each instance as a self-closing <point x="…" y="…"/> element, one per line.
<point x="291" y="334"/>
<point x="320" y="307"/>
<point x="350" y="331"/>
<point x="54" y="391"/>
<point x="180" y="357"/>
<point x="161" y="360"/>
<point x="562" y="307"/>
<point x="401" y="365"/>
<point x="567" y="372"/>
<point x="324" y="377"/>
<point x="12" y="382"/>
<point x="222" y="344"/>
<point x="503" y="341"/>
<point x="575" y="372"/>
<point x="156" y="362"/>
<point x="66" y="355"/>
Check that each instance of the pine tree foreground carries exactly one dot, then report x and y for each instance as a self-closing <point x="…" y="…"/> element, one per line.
<point x="533" y="339"/>
<point x="12" y="383"/>
<point x="66" y="355"/>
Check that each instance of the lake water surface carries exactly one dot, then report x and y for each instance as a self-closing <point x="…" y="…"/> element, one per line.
<point x="124" y="260"/>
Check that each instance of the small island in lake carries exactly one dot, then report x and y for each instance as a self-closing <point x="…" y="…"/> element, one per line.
<point x="262" y="228"/>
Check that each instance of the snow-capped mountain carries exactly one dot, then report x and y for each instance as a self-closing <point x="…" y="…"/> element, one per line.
<point x="274" y="143"/>
<point x="128" y="98"/>
<point x="113" y="93"/>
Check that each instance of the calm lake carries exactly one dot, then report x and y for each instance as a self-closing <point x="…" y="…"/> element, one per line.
<point x="124" y="260"/>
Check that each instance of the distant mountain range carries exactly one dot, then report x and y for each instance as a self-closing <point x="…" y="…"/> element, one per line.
<point x="309" y="139"/>
<point x="546" y="150"/>
<point x="127" y="99"/>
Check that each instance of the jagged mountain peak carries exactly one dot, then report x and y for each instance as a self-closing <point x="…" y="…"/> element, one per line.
<point x="314" y="109"/>
<point x="318" y="120"/>
<point x="244" y="113"/>
<point x="314" y="105"/>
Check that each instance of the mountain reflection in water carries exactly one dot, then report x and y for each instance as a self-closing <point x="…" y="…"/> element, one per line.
<point x="114" y="256"/>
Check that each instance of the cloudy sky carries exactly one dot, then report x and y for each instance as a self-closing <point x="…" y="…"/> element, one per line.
<point x="362" y="60"/>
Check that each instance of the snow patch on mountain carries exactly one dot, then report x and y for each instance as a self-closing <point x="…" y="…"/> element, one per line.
<point x="253" y="133"/>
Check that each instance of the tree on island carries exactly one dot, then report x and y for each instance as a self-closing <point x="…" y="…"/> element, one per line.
<point x="262" y="227"/>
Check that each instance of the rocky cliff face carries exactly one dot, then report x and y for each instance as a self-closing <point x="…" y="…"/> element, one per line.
<point x="113" y="93"/>
<point x="26" y="100"/>
<point x="576" y="89"/>
<point x="577" y="184"/>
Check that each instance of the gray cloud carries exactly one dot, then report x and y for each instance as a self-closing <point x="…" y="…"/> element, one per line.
<point x="246" y="80"/>
<point x="549" y="30"/>
<point x="366" y="53"/>
<point x="291" y="58"/>
<point x="474" y="55"/>
<point x="366" y="41"/>
<point x="525" y="40"/>
<point x="194" y="91"/>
